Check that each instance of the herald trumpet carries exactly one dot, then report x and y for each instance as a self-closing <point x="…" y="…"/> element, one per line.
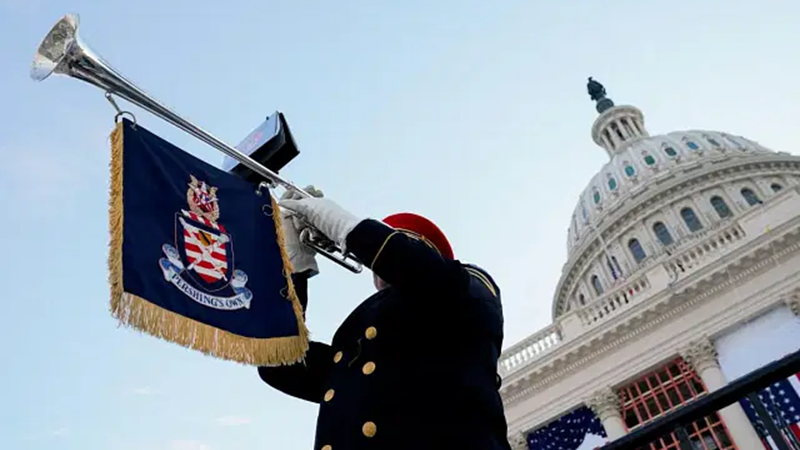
<point x="63" y="51"/>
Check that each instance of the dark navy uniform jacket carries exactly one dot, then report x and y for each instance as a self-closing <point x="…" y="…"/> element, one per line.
<point x="414" y="367"/>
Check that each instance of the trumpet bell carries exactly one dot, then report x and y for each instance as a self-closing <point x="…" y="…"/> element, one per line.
<point x="55" y="47"/>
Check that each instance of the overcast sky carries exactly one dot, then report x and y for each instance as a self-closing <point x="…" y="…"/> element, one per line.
<point x="473" y="113"/>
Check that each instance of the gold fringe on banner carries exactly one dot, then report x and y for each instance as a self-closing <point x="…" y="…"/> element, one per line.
<point x="140" y="314"/>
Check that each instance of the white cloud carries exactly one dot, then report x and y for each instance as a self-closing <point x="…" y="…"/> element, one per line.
<point x="63" y="431"/>
<point x="188" y="445"/>
<point x="232" y="421"/>
<point x="142" y="391"/>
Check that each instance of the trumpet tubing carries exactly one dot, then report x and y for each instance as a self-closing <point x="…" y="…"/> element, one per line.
<point x="63" y="51"/>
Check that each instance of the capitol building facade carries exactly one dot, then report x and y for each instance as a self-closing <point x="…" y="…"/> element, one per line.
<point x="683" y="274"/>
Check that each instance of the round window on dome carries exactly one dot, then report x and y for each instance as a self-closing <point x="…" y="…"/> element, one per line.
<point x="670" y="152"/>
<point x="713" y="141"/>
<point x="596" y="196"/>
<point x="692" y="145"/>
<point x="612" y="183"/>
<point x="649" y="160"/>
<point x="629" y="170"/>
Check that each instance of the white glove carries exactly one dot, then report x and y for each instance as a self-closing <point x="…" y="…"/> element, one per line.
<point x="326" y="216"/>
<point x="301" y="256"/>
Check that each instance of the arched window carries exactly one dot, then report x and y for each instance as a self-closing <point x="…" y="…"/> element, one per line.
<point x="598" y="287"/>
<point x="636" y="250"/>
<point x="720" y="207"/>
<point x="581" y="299"/>
<point x="662" y="233"/>
<point x="691" y="220"/>
<point x="750" y="197"/>
<point x="776" y="187"/>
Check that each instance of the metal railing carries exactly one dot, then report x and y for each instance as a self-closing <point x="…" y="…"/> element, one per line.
<point x="744" y="387"/>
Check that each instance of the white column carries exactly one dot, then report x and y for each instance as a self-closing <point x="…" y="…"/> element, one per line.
<point x="647" y="237"/>
<point x="623" y="129"/>
<point x="658" y="247"/>
<point x="606" y="406"/>
<point x="615" y="140"/>
<point x="640" y="125"/>
<point x="608" y="144"/>
<point x="634" y="126"/>
<point x="622" y="254"/>
<point x="737" y="205"/>
<point x="793" y="302"/>
<point x="626" y="127"/>
<point x="518" y="441"/>
<point x="680" y="227"/>
<point x="632" y="129"/>
<point x="702" y="356"/>
<point x="605" y="278"/>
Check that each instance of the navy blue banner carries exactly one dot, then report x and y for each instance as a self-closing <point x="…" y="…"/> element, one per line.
<point x="196" y="255"/>
<point x="569" y="432"/>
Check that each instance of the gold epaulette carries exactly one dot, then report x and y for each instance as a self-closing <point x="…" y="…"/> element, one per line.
<point x="482" y="278"/>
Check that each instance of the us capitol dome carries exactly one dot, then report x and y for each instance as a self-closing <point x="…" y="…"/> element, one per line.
<point x="680" y="248"/>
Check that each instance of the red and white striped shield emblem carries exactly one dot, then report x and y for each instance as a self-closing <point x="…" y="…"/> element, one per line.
<point x="206" y="247"/>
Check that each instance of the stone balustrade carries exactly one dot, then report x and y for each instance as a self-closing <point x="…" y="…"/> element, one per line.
<point x="530" y="349"/>
<point x="613" y="302"/>
<point x="708" y="250"/>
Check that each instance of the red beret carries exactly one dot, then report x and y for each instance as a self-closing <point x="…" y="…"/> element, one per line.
<point x="423" y="227"/>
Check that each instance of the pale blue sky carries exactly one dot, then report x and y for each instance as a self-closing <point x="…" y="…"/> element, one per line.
<point x="472" y="112"/>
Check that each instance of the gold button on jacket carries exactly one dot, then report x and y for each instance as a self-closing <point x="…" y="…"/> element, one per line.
<point x="368" y="368"/>
<point x="369" y="429"/>
<point x="371" y="332"/>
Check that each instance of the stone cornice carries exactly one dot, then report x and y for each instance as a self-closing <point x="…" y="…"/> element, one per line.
<point x="757" y="256"/>
<point x="656" y="195"/>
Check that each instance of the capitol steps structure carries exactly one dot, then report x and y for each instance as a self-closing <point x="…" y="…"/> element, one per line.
<point x="683" y="273"/>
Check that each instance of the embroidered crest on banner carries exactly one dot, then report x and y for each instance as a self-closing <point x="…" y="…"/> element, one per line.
<point x="201" y="261"/>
